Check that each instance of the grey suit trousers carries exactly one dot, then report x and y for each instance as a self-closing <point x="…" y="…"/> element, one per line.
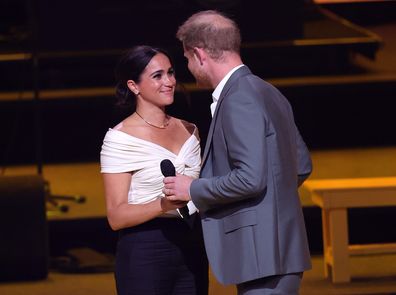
<point x="288" y="284"/>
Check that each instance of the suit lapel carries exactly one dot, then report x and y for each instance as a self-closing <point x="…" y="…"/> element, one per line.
<point x="234" y="77"/>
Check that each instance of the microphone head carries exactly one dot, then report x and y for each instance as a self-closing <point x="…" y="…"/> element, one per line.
<point x="167" y="168"/>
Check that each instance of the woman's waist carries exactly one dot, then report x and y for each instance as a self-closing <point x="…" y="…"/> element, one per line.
<point x="162" y="223"/>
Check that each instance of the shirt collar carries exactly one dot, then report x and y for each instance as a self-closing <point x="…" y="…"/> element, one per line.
<point x="219" y="88"/>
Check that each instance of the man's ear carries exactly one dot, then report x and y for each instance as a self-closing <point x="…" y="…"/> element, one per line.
<point x="200" y="54"/>
<point x="133" y="87"/>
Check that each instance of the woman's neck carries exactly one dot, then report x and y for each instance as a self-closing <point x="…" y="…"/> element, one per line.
<point x="154" y="117"/>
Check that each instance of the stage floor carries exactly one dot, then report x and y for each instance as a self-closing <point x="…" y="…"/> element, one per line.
<point x="371" y="275"/>
<point x="85" y="178"/>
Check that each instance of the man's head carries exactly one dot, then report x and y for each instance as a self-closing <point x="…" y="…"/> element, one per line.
<point x="212" y="31"/>
<point x="211" y="43"/>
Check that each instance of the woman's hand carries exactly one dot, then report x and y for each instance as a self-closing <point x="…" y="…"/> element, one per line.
<point x="167" y="205"/>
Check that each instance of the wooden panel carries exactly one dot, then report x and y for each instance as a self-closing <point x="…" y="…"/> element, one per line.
<point x="386" y="248"/>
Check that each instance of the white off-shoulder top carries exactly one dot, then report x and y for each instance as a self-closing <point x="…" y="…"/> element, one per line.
<point x="122" y="152"/>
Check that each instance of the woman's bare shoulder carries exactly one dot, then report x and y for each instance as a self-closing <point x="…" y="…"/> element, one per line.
<point x="131" y="126"/>
<point x="189" y="126"/>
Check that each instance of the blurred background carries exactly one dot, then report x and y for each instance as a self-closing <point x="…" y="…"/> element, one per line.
<point x="335" y="61"/>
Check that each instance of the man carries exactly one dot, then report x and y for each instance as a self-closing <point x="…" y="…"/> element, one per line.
<point x="253" y="163"/>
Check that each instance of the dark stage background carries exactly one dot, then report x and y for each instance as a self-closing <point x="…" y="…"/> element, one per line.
<point x="336" y="74"/>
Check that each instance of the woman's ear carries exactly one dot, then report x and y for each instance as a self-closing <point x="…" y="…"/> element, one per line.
<point x="133" y="87"/>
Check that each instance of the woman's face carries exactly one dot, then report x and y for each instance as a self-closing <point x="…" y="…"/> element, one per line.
<point x="157" y="82"/>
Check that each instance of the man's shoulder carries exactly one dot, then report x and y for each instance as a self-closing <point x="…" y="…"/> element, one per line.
<point x="252" y="81"/>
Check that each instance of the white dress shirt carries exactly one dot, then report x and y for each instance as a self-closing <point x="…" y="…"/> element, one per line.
<point x="219" y="88"/>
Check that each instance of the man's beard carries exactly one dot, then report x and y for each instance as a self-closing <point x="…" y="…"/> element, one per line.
<point x="202" y="79"/>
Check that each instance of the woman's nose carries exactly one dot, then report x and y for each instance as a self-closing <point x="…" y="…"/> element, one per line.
<point x="169" y="80"/>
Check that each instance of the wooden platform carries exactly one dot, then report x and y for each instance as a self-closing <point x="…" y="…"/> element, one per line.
<point x="335" y="197"/>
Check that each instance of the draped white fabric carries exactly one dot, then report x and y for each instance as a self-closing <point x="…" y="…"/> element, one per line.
<point x="122" y="152"/>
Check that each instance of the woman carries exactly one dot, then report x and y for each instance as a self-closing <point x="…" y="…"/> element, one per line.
<point x="157" y="252"/>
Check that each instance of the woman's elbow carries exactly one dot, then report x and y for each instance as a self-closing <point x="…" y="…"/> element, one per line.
<point x="113" y="225"/>
<point x="113" y="221"/>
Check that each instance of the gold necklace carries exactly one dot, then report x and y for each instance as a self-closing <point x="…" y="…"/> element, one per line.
<point x="163" y="126"/>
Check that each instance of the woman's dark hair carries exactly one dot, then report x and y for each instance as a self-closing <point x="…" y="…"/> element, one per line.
<point x="130" y="67"/>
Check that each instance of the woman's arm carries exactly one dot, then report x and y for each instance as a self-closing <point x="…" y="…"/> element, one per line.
<point x="120" y="214"/>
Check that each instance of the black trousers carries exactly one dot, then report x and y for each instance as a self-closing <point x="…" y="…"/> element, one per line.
<point x="163" y="256"/>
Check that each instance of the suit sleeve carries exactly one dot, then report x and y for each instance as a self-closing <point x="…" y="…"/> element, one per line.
<point x="304" y="164"/>
<point x="244" y="127"/>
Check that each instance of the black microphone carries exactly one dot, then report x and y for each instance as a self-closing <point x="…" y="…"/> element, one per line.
<point x="168" y="169"/>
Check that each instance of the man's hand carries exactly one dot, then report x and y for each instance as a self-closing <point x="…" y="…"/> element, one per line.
<point x="177" y="187"/>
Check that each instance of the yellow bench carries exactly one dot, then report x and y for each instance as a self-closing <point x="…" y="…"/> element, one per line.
<point x="334" y="197"/>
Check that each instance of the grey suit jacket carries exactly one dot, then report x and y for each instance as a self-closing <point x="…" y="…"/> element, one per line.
<point x="253" y="163"/>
